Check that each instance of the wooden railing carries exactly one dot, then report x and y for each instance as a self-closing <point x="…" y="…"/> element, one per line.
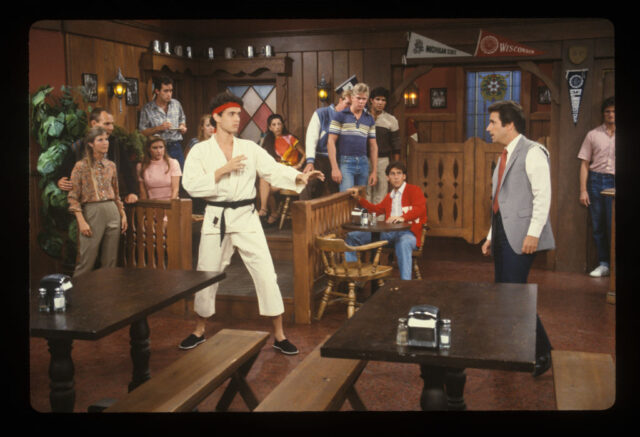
<point x="309" y="219"/>
<point x="155" y="243"/>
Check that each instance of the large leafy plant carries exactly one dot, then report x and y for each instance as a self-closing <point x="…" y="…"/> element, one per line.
<point x="56" y="122"/>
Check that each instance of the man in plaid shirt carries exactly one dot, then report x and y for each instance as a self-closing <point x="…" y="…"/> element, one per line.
<point x="164" y="117"/>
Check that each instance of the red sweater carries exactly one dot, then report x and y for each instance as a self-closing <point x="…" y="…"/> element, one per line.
<point x="414" y="208"/>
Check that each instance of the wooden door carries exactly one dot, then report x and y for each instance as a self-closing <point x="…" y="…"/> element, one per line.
<point x="445" y="172"/>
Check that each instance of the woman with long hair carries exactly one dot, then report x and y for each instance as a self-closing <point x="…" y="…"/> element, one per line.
<point x="95" y="201"/>
<point x="205" y="130"/>
<point x="285" y="149"/>
<point x="158" y="173"/>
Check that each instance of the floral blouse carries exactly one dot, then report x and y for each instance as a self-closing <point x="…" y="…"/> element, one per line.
<point x="85" y="191"/>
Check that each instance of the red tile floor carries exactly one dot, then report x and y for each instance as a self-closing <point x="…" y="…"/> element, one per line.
<point x="572" y="307"/>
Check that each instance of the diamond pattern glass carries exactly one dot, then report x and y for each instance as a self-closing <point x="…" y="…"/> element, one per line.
<point x="259" y="102"/>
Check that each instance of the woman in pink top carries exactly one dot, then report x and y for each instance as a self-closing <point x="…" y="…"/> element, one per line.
<point x="158" y="174"/>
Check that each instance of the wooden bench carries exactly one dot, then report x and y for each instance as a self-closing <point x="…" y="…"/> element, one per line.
<point x="583" y="381"/>
<point x="189" y="380"/>
<point x="317" y="384"/>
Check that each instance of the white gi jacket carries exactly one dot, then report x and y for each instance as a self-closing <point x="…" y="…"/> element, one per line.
<point x="198" y="180"/>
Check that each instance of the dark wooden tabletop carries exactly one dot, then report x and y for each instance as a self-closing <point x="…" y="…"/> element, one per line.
<point x="379" y="226"/>
<point x="493" y="326"/>
<point x="105" y="300"/>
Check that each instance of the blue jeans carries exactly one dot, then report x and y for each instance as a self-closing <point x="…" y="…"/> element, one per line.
<point x="600" y="211"/>
<point x="404" y="243"/>
<point x="355" y="171"/>
<point x="174" y="149"/>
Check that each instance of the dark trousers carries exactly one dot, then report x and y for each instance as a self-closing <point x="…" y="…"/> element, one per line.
<point x="514" y="268"/>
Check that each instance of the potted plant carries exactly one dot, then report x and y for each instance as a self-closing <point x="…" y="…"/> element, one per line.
<point x="56" y="122"/>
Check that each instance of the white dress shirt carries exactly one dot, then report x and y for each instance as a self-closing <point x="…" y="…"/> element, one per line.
<point x="396" y="200"/>
<point x="539" y="174"/>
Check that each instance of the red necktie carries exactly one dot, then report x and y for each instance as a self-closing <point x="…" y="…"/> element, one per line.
<point x="503" y="163"/>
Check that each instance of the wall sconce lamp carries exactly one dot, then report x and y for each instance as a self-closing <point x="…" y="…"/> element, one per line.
<point x="118" y="87"/>
<point x="323" y="90"/>
<point x="411" y="96"/>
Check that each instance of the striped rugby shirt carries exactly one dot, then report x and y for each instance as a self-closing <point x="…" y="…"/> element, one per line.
<point x="353" y="134"/>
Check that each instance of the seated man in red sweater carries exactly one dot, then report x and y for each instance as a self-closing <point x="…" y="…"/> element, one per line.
<point x="405" y="203"/>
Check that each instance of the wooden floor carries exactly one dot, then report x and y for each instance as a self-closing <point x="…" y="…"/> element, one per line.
<point x="572" y="307"/>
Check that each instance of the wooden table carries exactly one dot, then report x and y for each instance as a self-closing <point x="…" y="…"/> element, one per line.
<point x="102" y="302"/>
<point x="493" y="327"/>
<point x="377" y="228"/>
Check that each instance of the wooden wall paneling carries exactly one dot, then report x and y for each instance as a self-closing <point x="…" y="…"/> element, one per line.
<point x="293" y="112"/>
<point x="356" y="65"/>
<point x="377" y="67"/>
<point x="309" y="97"/>
<point x="341" y="71"/>
<point x="486" y="159"/>
<point x="325" y="67"/>
<point x="574" y="244"/>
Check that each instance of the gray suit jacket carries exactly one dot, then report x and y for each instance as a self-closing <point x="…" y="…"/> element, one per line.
<point x="516" y="199"/>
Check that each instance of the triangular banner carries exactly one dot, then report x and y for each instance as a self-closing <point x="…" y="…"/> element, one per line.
<point x="576" y="80"/>
<point x="423" y="47"/>
<point x="490" y="45"/>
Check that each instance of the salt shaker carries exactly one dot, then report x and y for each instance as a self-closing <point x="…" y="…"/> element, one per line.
<point x="43" y="301"/>
<point x="445" y="334"/>
<point x="374" y="218"/>
<point x="402" y="335"/>
<point x="59" y="301"/>
<point x="364" y="218"/>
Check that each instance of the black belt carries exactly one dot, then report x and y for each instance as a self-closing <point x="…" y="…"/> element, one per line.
<point x="225" y="205"/>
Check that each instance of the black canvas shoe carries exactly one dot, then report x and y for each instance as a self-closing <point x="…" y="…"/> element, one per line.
<point x="285" y="347"/>
<point x="191" y="341"/>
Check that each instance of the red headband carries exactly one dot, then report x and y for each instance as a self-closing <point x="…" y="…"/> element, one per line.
<point x="221" y="108"/>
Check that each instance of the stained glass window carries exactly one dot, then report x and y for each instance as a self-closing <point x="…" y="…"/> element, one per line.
<point x="259" y="102"/>
<point x="483" y="89"/>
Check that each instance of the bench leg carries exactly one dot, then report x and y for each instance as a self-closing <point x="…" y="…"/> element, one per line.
<point x="354" y="399"/>
<point x="140" y="352"/>
<point x="239" y="384"/>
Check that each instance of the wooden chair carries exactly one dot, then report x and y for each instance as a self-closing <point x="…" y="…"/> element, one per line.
<point x="285" y="203"/>
<point x="416" y="255"/>
<point x="338" y="270"/>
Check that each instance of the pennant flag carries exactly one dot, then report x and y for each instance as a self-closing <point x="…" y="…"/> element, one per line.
<point x="576" y="80"/>
<point x="422" y="47"/>
<point x="490" y="44"/>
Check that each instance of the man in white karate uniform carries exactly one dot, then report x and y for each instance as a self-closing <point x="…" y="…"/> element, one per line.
<point x="223" y="171"/>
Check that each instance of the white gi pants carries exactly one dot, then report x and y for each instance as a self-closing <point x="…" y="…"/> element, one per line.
<point x="254" y="251"/>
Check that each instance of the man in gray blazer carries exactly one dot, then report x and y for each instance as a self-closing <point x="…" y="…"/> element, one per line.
<point x="520" y="211"/>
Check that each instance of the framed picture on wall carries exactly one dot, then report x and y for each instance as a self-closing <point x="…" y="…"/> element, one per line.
<point x="438" y="97"/>
<point x="90" y="84"/>
<point x="544" y="95"/>
<point x="133" y="95"/>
